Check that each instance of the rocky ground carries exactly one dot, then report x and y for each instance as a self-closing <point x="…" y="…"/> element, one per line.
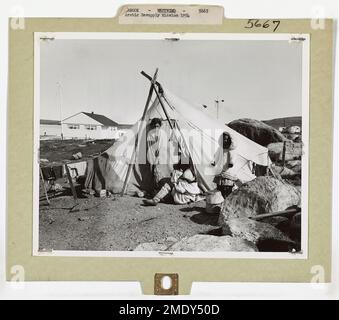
<point x="118" y="223"/>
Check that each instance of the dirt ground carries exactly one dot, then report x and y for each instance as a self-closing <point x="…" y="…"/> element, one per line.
<point x="61" y="150"/>
<point x="110" y="224"/>
<point x="117" y="223"/>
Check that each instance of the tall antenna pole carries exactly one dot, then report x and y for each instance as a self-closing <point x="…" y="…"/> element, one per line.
<point x="217" y="101"/>
<point x="217" y="106"/>
<point x="59" y="88"/>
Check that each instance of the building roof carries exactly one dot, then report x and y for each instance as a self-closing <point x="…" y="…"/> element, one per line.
<point x="107" y="122"/>
<point x="50" y="122"/>
<point x="101" y="119"/>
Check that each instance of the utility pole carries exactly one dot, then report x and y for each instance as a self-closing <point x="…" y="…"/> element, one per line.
<point x="59" y="87"/>
<point x="217" y="101"/>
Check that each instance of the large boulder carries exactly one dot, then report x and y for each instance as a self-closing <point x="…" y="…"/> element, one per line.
<point x="257" y="131"/>
<point x="213" y="244"/>
<point x="262" y="195"/>
<point x="293" y="150"/>
<point x="254" y="231"/>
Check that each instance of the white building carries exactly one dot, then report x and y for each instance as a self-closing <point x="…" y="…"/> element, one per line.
<point x="50" y="129"/>
<point x="85" y="125"/>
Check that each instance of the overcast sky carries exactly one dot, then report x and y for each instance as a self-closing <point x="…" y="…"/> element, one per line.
<point x="257" y="79"/>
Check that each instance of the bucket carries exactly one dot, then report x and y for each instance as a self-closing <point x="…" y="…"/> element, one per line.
<point x="214" y="200"/>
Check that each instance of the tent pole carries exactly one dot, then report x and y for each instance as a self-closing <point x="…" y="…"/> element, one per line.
<point x="162" y="105"/>
<point x="130" y="166"/>
<point x="150" y="78"/>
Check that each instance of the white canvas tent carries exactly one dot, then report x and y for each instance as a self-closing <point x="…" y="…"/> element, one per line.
<point x="124" y="167"/>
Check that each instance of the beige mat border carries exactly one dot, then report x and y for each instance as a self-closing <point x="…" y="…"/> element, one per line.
<point x="20" y="170"/>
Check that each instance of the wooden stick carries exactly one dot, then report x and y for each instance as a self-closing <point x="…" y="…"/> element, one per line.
<point x="274" y="214"/>
<point x="272" y="172"/>
<point x="150" y="78"/>
<point x="163" y="107"/>
<point x="75" y="197"/>
<point x="284" y="154"/>
<point x="131" y="164"/>
<point x="43" y="183"/>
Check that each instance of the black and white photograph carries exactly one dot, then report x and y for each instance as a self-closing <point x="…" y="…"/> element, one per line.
<point x="162" y="145"/>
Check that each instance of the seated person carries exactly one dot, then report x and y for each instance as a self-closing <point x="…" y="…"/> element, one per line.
<point x="182" y="186"/>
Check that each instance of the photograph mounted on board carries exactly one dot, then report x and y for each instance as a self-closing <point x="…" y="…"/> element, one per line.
<point x="185" y="145"/>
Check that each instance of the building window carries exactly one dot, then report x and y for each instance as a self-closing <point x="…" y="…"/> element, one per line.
<point x="90" y="127"/>
<point x="73" y="126"/>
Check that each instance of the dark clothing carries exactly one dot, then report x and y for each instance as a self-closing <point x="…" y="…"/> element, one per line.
<point x="225" y="190"/>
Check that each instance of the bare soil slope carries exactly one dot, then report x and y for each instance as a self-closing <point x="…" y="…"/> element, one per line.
<point x="118" y="223"/>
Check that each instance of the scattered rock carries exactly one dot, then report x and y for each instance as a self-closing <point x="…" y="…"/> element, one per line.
<point x="261" y="195"/>
<point x="83" y="218"/>
<point x="298" y="139"/>
<point x="213" y="244"/>
<point x="56" y="187"/>
<point x="283" y="172"/>
<point x="254" y="231"/>
<point x="295" y="165"/>
<point x="293" y="150"/>
<point x="257" y="131"/>
<point x="293" y="136"/>
<point x="151" y="246"/>
<point x="77" y="156"/>
<point x="172" y="239"/>
<point x="50" y="220"/>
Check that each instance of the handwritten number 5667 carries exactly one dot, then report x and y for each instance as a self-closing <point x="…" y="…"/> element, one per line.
<point x="252" y="23"/>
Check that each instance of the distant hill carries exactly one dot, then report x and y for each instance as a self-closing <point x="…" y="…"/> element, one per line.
<point x="284" y="122"/>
